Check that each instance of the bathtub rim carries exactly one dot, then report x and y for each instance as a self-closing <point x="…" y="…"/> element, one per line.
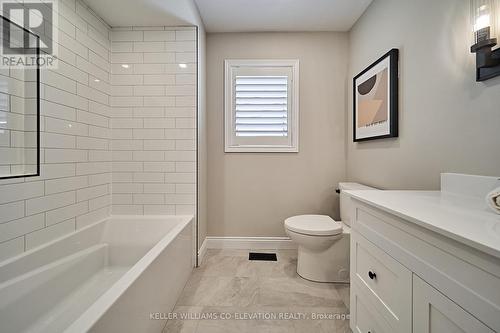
<point x="86" y="227"/>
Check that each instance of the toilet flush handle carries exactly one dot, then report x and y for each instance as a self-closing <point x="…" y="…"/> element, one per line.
<point x="337" y="191"/>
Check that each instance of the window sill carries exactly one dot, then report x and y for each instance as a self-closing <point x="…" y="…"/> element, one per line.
<point x="267" y="149"/>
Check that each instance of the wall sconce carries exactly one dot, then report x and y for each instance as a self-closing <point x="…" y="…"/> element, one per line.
<point x="484" y="22"/>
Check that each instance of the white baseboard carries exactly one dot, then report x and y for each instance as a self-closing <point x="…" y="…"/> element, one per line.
<point x="202" y="251"/>
<point x="249" y="243"/>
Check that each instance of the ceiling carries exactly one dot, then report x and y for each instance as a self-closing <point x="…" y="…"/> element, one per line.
<point x="121" y="13"/>
<point x="280" y="15"/>
<point x="234" y="15"/>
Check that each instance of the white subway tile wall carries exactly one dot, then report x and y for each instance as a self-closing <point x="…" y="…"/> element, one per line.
<point x="74" y="188"/>
<point x="153" y="97"/>
<point x="118" y="131"/>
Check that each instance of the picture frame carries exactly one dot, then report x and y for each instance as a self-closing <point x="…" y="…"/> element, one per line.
<point x="375" y="99"/>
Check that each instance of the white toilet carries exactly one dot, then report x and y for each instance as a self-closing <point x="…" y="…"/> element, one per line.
<point x="323" y="253"/>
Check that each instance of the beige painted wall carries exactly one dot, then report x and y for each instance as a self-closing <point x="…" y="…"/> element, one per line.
<point x="448" y="122"/>
<point x="251" y="194"/>
<point x="202" y="138"/>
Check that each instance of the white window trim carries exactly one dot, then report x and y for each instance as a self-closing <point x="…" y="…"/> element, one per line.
<point x="229" y="64"/>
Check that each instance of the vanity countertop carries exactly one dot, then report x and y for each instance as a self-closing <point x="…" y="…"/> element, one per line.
<point x="464" y="219"/>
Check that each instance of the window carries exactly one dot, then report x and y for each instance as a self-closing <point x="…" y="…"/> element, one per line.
<point x="261" y="106"/>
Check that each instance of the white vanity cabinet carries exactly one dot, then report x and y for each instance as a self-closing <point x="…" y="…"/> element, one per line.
<point x="410" y="277"/>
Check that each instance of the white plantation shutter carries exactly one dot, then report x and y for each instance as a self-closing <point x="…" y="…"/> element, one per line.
<point x="259" y="109"/>
<point x="261" y="106"/>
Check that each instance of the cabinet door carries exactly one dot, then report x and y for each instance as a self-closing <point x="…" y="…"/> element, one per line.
<point x="364" y="316"/>
<point x="435" y="313"/>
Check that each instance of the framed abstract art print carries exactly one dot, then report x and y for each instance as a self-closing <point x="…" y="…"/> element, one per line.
<point x="375" y="104"/>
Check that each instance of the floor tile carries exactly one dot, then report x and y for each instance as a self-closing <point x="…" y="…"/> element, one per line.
<point x="219" y="291"/>
<point x="182" y="325"/>
<point x="298" y="292"/>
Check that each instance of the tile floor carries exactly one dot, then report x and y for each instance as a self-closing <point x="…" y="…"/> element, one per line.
<point x="228" y="285"/>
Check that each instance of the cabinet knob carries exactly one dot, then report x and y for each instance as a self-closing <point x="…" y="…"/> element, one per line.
<point x="372" y="276"/>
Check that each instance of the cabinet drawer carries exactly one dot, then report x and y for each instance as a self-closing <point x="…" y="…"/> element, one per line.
<point x="385" y="279"/>
<point x="364" y="317"/>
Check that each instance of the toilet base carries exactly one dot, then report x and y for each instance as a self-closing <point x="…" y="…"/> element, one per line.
<point x="330" y="265"/>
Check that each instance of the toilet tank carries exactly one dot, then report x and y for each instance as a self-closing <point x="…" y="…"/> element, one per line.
<point x="345" y="200"/>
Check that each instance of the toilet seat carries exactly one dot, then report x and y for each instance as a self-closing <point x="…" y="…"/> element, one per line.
<point x="313" y="225"/>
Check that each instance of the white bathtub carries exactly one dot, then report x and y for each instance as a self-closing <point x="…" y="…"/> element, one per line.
<point x="107" y="277"/>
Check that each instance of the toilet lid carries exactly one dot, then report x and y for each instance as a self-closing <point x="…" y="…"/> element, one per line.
<point x="314" y="225"/>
